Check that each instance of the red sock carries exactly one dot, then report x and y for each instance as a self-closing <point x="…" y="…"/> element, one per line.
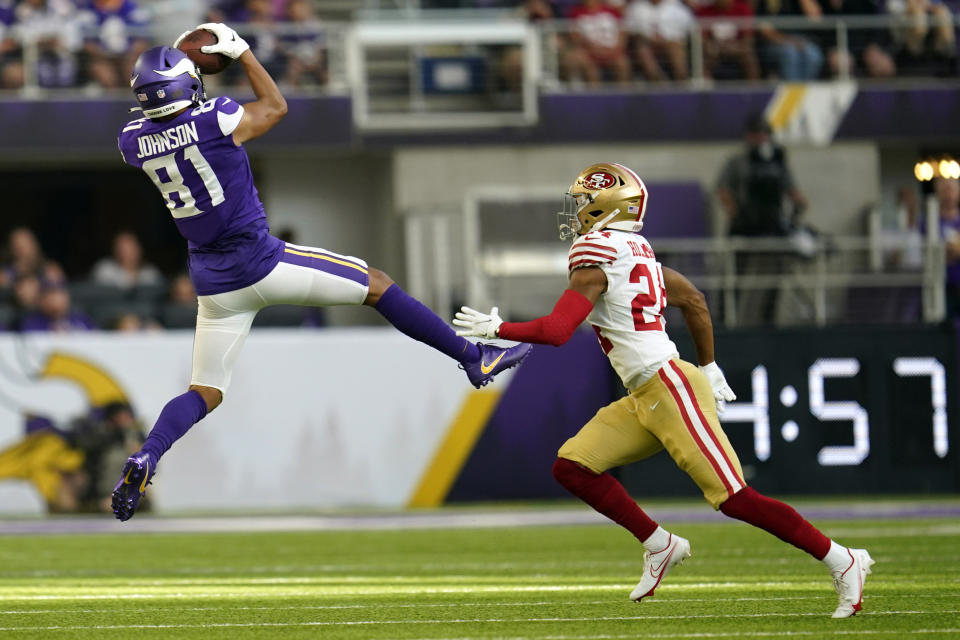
<point x="606" y="495"/>
<point x="777" y="518"/>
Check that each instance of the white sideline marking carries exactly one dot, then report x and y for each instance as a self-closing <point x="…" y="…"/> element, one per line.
<point x="738" y="634"/>
<point x="893" y="531"/>
<point x="462" y="605"/>
<point x="348" y="623"/>
<point x="393" y="590"/>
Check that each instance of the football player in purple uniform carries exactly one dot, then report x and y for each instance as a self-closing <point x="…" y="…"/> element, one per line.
<point x="191" y="148"/>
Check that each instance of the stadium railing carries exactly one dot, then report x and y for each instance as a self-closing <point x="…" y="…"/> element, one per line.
<point x="805" y="279"/>
<point x="848" y="34"/>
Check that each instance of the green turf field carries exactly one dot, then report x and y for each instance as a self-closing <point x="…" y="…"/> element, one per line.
<point x="535" y="582"/>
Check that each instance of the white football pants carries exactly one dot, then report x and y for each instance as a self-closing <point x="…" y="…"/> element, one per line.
<point x="305" y="276"/>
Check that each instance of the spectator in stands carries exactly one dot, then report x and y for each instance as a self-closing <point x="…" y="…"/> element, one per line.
<point x="947" y="194"/>
<point x="903" y="244"/>
<point x="114" y="35"/>
<point x="182" y="291"/>
<point x="26" y="297"/>
<point x="125" y="268"/>
<point x="731" y="40"/>
<point x="129" y="322"/>
<point x="793" y="52"/>
<point x="304" y="47"/>
<point x="660" y="29"/>
<point x="232" y="11"/>
<point x="11" y="56"/>
<point x="180" y="310"/>
<point x="511" y="64"/>
<point x="237" y="10"/>
<point x="25" y="258"/>
<point x="752" y="189"/>
<point x="259" y="30"/>
<point x="598" y="43"/>
<point x="925" y="31"/>
<point x="868" y="46"/>
<point x="52" y="25"/>
<point x="54" y="312"/>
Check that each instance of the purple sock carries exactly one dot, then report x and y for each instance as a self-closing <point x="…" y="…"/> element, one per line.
<point x="177" y="417"/>
<point x="411" y="317"/>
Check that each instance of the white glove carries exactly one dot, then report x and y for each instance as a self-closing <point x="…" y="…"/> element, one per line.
<point x="478" y="324"/>
<point x="722" y="392"/>
<point x="228" y="42"/>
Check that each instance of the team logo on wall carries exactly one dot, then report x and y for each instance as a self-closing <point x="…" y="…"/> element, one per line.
<point x="599" y="180"/>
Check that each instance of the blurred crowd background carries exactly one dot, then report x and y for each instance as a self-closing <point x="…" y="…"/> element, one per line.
<point x="91" y="43"/>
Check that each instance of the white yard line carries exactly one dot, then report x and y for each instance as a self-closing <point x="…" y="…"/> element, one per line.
<point x="737" y="634"/>
<point x="353" y="587"/>
<point x="462" y="605"/>
<point x="347" y="623"/>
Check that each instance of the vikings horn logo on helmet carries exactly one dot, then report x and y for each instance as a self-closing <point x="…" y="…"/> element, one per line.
<point x="168" y="79"/>
<point x="605" y="195"/>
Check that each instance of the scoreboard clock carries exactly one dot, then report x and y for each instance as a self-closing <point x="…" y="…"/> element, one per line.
<point x="837" y="410"/>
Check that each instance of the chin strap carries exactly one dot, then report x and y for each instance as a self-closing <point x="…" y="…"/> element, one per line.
<point x="599" y="225"/>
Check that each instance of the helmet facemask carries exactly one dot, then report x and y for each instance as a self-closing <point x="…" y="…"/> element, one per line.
<point x="567" y="219"/>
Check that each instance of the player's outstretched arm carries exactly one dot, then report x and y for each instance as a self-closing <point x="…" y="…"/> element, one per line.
<point x="573" y="307"/>
<point x="270" y="106"/>
<point x="267" y="110"/>
<point x="682" y="294"/>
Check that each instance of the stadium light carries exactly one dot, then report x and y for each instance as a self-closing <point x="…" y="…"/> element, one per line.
<point x="923" y="171"/>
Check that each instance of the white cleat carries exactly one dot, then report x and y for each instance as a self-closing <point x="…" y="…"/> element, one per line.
<point x="656" y="564"/>
<point x="849" y="583"/>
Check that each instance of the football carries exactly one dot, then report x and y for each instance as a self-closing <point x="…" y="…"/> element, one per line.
<point x="208" y="63"/>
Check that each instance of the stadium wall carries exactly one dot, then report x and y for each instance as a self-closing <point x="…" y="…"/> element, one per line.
<point x="368" y="417"/>
<point x="838" y="181"/>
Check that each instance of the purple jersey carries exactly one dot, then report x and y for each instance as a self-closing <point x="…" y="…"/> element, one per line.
<point x="206" y="181"/>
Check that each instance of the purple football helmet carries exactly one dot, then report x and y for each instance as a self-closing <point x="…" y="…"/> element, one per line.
<point x="165" y="80"/>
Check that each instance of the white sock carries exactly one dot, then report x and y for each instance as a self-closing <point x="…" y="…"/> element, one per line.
<point x="658" y="540"/>
<point x="838" y="558"/>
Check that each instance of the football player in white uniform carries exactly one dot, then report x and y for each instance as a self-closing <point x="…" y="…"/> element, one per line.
<point x="617" y="285"/>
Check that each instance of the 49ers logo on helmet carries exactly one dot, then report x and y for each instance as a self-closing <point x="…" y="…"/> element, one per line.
<point x="599" y="180"/>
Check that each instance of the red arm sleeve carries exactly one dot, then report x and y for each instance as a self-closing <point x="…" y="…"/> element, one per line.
<point x="571" y="309"/>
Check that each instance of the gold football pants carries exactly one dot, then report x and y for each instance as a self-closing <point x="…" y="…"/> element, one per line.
<point x="673" y="410"/>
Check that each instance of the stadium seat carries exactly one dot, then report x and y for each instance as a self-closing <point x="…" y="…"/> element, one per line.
<point x="8" y="317"/>
<point x="89" y="295"/>
<point x="178" y="316"/>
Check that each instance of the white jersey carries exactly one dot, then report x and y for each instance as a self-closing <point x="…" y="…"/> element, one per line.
<point x="628" y="317"/>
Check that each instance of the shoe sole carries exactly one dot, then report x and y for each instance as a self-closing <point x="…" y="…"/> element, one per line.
<point x="125" y="500"/>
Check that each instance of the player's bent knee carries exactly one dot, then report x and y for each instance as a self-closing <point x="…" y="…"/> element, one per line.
<point x="213" y="397"/>
<point x="379" y="283"/>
